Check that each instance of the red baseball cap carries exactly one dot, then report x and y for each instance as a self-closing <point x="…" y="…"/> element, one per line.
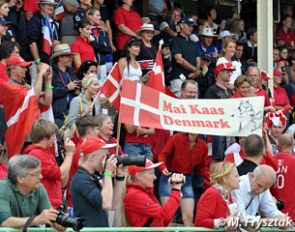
<point x="133" y="169"/>
<point x="91" y="144"/>
<point x="264" y="75"/>
<point x="224" y="66"/>
<point x="277" y="72"/>
<point x="17" y="60"/>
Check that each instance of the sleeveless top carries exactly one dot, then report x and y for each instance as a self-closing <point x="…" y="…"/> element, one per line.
<point x="132" y="73"/>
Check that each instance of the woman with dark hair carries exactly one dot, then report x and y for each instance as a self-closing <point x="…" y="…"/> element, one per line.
<point x="129" y="67"/>
<point x="82" y="44"/>
<point x="284" y="35"/>
<point x="87" y="67"/>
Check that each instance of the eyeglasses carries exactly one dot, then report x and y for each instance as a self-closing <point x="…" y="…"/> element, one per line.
<point x="35" y="174"/>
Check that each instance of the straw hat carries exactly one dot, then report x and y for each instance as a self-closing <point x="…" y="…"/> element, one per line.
<point x="147" y="27"/>
<point x="62" y="50"/>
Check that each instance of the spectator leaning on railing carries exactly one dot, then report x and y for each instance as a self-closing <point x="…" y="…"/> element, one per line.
<point x="23" y="197"/>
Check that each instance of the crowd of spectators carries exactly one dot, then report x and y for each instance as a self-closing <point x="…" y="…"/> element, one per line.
<point x="55" y="56"/>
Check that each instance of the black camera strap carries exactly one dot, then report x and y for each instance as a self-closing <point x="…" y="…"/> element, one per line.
<point x="92" y="177"/>
<point x="28" y="223"/>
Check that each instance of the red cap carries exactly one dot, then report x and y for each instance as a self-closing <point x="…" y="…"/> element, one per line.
<point x="277" y="72"/>
<point x="17" y="60"/>
<point x="133" y="169"/>
<point x="264" y="75"/>
<point x="224" y="66"/>
<point x="91" y="144"/>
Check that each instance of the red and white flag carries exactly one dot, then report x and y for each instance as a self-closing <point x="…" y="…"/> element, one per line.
<point x="21" y="111"/>
<point x="156" y="76"/>
<point x="146" y="107"/>
<point x="47" y="36"/>
<point x="59" y="11"/>
<point x="111" y="88"/>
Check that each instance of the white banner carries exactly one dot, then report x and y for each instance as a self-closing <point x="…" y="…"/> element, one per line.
<point x="146" y="107"/>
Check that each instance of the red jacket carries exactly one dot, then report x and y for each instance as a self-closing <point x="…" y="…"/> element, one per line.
<point x="210" y="206"/>
<point x="50" y="172"/>
<point x="177" y="157"/>
<point x="141" y="204"/>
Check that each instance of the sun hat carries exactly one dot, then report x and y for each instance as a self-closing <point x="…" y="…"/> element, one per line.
<point x="62" y="50"/>
<point x="225" y="34"/>
<point x="208" y="31"/>
<point x="147" y="27"/>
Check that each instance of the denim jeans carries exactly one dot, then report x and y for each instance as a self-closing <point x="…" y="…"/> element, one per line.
<point x="218" y="147"/>
<point x="135" y="149"/>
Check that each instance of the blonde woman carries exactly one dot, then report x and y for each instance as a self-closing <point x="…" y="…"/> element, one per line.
<point x="81" y="105"/>
<point x="213" y="206"/>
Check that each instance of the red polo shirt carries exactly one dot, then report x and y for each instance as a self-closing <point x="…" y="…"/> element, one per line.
<point x="84" y="49"/>
<point x="280" y="96"/>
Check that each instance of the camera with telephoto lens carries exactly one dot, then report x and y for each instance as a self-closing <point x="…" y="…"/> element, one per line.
<point x="66" y="221"/>
<point x="177" y="182"/>
<point x="126" y="160"/>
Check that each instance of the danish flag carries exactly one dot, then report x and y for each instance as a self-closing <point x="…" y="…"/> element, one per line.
<point x="20" y="114"/>
<point x="139" y="105"/>
<point x="112" y="86"/>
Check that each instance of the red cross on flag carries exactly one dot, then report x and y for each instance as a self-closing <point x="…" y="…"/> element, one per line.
<point x="146" y="107"/>
<point x="139" y="105"/>
<point x="112" y="86"/>
<point x="20" y="114"/>
<point x="156" y="77"/>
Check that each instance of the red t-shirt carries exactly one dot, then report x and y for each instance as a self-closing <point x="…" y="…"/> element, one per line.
<point x="286" y="37"/>
<point x="84" y="49"/>
<point x="281" y="97"/>
<point x="284" y="188"/>
<point x="261" y="92"/>
<point x="130" y="19"/>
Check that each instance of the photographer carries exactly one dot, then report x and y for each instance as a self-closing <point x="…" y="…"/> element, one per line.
<point x="91" y="186"/>
<point x="23" y="197"/>
<point x="141" y="206"/>
<point x="65" y="87"/>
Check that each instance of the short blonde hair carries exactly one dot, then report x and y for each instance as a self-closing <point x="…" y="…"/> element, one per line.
<point x="88" y="80"/>
<point x="219" y="171"/>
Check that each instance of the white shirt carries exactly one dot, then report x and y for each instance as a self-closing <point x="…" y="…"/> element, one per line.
<point x="132" y="74"/>
<point x="263" y="202"/>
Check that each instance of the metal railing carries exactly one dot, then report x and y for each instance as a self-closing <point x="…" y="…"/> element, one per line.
<point x="130" y="229"/>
